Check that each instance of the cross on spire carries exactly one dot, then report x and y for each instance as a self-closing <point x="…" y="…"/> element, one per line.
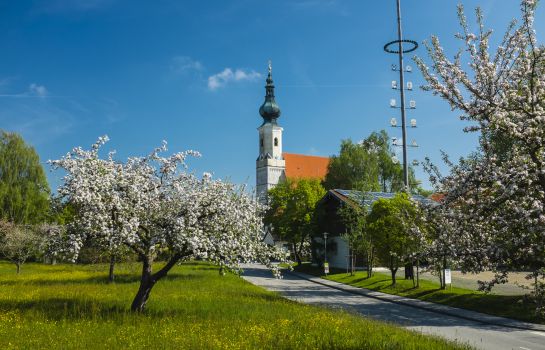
<point x="269" y="110"/>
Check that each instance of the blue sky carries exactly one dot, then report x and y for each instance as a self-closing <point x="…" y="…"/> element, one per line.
<point x="192" y="73"/>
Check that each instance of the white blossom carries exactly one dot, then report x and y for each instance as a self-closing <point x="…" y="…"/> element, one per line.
<point x="495" y="199"/>
<point x="152" y="204"/>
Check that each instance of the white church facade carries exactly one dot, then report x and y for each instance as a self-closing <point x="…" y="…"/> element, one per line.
<point x="272" y="164"/>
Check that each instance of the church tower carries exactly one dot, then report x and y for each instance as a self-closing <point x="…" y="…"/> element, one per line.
<point x="270" y="164"/>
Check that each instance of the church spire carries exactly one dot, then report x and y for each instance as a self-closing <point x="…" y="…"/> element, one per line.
<point x="269" y="110"/>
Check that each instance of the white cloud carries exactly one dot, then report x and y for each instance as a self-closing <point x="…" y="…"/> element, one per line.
<point x="184" y="64"/>
<point x="37" y="90"/>
<point x="226" y="76"/>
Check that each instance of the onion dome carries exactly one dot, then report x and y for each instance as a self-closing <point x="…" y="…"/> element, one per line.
<point x="269" y="110"/>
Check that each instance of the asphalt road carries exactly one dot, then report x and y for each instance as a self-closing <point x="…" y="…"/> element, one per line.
<point x="479" y="335"/>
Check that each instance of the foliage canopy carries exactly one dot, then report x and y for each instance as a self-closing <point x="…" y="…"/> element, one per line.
<point x="24" y="191"/>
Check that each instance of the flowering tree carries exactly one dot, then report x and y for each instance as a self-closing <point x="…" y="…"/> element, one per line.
<point x="152" y="205"/>
<point x="441" y="240"/>
<point x="54" y="243"/>
<point x="18" y="242"/>
<point x="498" y="195"/>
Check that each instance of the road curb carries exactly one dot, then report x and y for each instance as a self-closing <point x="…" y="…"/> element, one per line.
<point x="424" y="305"/>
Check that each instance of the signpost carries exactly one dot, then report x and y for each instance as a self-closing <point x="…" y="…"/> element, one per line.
<point x="448" y="277"/>
<point x="326" y="264"/>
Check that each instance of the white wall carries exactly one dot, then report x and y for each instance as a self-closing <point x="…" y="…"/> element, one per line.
<point x="338" y="257"/>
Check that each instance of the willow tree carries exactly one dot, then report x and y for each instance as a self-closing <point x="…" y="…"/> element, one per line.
<point x="24" y="191"/>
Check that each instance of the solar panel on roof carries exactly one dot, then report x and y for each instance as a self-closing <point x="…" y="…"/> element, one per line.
<point x="371" y="197"/>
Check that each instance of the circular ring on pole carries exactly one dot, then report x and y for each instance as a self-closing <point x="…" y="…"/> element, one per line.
<point x="387" y="46"/>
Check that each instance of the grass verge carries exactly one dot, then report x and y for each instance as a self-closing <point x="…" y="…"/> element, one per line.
<point x="515" y="307"/>
<point x="73" y="307"/>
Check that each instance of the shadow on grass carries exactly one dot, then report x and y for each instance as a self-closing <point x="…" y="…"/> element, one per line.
<point x="66" y="308"/>
<point x="363" y="279"/>
<point x="379" y="282"/>
<point x="119" y="279"/>
<point x="59" y="308"/>
<point x="423" y="293"/>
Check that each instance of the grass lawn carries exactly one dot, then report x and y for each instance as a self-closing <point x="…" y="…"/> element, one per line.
<point x="73" y="307"/>
<point x="512" y="306"/>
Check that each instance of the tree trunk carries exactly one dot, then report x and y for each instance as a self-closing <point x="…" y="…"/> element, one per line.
<point x="146" y="284"/>
<point x="444" y="285"/>
<point x="141" y="298"/>
<point x="370" y="263"/>
<point x="393" y="270"/>
<point x="148" y="280"/>
<point x="18" y="267"/>
<point x="412" y="275"/>
<point x="111" y="275"/>
<point x="353" y="263"/>
<point x="297" y="253"/>
<point x="417" y="273"/>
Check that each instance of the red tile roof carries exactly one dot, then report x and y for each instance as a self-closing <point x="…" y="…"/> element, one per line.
<point x="303" y="166"/>
<point x="437" y="196"/>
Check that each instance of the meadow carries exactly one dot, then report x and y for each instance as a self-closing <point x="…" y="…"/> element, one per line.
<point x="73" y="307"/>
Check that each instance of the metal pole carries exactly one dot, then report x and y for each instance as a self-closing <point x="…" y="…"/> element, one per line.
<point x="325" y="248"/>
<point x="402" y="93"/>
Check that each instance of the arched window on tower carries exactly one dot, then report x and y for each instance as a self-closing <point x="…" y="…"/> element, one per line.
<point x="261" y="142"/>
<point x="276" y="141"/>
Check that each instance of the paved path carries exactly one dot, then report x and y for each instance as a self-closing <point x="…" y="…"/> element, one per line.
<point x="480" y="335"/>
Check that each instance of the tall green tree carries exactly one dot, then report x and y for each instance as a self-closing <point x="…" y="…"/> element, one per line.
<point x="394" y="225"/>
<point x="292" y="211"/>
<point x="389" y="173"/>
<point x="368" y="166"/>
<point x="353" y="168"/>
<point x="24" y="191"/>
